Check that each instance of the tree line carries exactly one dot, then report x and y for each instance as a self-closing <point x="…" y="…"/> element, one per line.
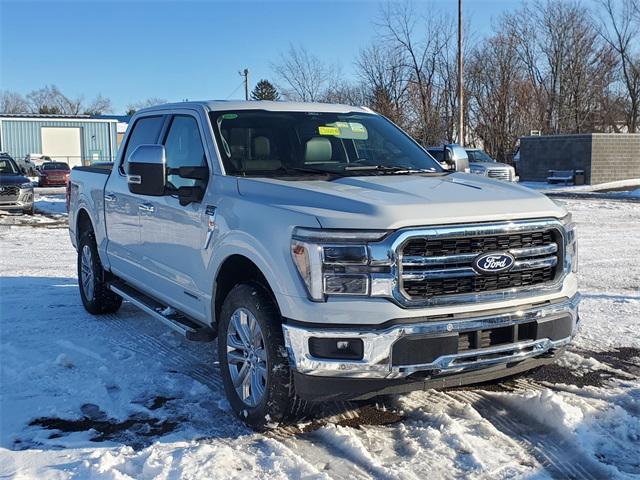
<point x="49" y="100"/>
<point x="555" y="66"/>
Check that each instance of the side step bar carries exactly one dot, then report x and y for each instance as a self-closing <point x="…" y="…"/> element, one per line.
<point x="173" y="319"/>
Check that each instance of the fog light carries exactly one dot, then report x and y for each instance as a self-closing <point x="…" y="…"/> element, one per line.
<point x="336" y="348"/>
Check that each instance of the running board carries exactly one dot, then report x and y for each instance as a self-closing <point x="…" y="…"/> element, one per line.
<point x="167" y="315"/>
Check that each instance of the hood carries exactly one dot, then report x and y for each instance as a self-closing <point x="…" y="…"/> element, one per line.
<point x="395" y="201"/>
<point x="13" y="179"/>
<point x="491" y="164"/>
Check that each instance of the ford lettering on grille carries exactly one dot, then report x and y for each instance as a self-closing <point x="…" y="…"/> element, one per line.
<point x="493" y="262"/>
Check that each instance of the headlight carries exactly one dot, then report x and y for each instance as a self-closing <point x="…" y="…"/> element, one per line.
<point x="571" y="255"/>
<point x="26" y="185"/>
<point x="478" y="170"/>
<point x="334" y="262"/>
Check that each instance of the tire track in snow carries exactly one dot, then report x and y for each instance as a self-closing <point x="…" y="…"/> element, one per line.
<point x="558" y="456"/>
<point x="177" y="357"/>
<point x="324" y="458"/>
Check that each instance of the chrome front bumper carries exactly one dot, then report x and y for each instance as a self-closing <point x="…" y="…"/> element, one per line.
<point x="377" y="361"/>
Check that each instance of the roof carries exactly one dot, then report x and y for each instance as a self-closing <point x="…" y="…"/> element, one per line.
<point x="220" y="105"/>
<point x="61" y="116"/>
<point x="119" y="118"/>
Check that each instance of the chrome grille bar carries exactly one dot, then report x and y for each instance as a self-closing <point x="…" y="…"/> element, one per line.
<point x="519" y="266"/>
<point x="417" y="261"/>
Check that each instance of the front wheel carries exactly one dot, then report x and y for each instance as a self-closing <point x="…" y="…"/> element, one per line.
<point x="253" y="358"/>
<point x="95" y="294"/>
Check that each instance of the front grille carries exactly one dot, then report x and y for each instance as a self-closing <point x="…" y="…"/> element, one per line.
<point x="9" y="193"/>
<point x="452" y="246"/>
<point x="499" y="173"/>
<point x="443" y="266"/>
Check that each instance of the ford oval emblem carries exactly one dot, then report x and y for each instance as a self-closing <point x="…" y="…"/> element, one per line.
<point x="493" y="262"/>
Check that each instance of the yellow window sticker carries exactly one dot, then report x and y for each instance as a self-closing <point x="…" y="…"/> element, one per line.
<point x="335" y="131"/>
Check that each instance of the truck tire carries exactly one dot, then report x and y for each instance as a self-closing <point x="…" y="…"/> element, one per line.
<point x="253" y="358"/>
<point x="96" y="296"/>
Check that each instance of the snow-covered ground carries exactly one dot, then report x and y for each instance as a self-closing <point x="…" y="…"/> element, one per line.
<point x="120" y="396"/>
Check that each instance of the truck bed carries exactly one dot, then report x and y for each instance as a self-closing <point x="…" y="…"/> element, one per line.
<point x="86" y="194"/>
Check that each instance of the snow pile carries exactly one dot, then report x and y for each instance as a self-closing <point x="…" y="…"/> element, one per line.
<point x="599" y="426"/>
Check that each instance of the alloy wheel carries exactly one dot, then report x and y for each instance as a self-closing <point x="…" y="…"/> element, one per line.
<point x="247" y="357"/>
<point x="86" y="274"/>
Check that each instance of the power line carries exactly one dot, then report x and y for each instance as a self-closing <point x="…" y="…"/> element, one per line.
<point x="234" y="91"/>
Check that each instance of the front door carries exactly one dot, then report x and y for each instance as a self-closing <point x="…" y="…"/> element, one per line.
<point x="122" y="206"/>
<point x="173" y="236"/>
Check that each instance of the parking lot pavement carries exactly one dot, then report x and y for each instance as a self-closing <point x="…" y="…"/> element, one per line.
<point x="120" y="396"/>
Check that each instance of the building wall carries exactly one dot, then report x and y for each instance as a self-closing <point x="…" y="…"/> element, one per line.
<point x="615" y="157"/>
<point x="604" y="157"/>
<point x="538" y="155"/>
<point x="21" y="137"/>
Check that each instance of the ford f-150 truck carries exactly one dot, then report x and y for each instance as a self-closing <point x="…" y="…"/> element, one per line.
<point x="330" y="255"/>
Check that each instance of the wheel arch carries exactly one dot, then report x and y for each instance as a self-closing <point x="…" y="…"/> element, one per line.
<point x="236" y="269"/>
<point x="83" y="223"/>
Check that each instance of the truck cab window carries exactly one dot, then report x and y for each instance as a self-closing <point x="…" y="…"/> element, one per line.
<point x="145" y="131"/>
<point x="183" y="147"/>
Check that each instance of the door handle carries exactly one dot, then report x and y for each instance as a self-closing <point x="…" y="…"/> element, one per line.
<point x="146" y="207"/>
<point x="109" y="197"/>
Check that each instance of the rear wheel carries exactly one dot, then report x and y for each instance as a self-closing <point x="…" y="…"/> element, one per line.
<point x="96" y="296"/>
<point x="253" y="358"/>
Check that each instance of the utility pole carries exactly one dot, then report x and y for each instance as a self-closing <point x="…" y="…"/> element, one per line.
<point x="245" y="73"/>
<point x="460" y="84"/>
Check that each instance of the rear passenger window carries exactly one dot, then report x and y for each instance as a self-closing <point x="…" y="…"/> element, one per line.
<point x="183" y="147"/>
<point x="145" y="131"/>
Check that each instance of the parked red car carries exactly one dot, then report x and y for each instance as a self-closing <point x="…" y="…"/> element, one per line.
<point x="53" y="174"/>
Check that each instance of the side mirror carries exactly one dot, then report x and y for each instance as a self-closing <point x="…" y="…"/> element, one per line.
<point x="189" y="195"/>
<point x="193" y="173"/>
<point x="456" y="163"/>
<point x="147" y="170"/>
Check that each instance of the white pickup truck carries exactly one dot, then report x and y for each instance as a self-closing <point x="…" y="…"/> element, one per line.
<point x="331" y="256"/>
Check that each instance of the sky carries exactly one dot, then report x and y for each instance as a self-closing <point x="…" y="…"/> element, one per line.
<point x="129" y="51"/>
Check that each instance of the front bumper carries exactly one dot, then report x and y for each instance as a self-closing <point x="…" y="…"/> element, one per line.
<point x="22" y="201"/>
<point x="439" y="347"/>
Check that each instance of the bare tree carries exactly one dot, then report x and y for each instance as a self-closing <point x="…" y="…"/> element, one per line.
<point x="384" y="78"/>
<point x="567" y="64"/>
<point x="99" y="106"/>
<point x="499" y="94"/>
<point x="398" y="27"/>
<point x="13" y="102"/>
<point x="149" y="102"/>
<point x="51" y="100"/>
<point x="303" y="75"/>
<point x="621" y="30"/>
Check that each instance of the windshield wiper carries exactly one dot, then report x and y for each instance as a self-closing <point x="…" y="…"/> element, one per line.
<point x="397" y="170"/>
<point x="315" y="170"/>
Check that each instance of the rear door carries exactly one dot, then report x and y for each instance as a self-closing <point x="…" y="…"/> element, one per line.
<point x="122" y="207"/>
<point x="174" y="236"/>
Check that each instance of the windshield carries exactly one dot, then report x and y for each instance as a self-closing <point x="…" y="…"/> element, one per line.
<point x="55" y="166"/>
<point x="479" y="156"/>
<point x="8" y="166"/>
<point x="298" y="144"/>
